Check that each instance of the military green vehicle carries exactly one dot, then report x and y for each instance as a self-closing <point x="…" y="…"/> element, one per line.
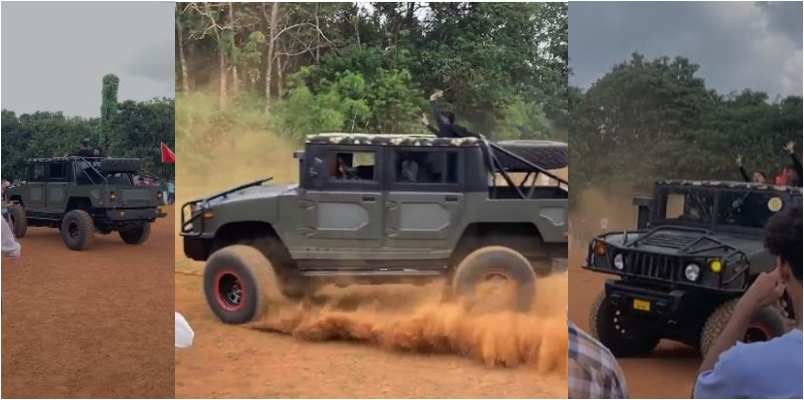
<point x="380" y="209"/>
<point x="697" y="248"/>
<point x="82" y="196"/>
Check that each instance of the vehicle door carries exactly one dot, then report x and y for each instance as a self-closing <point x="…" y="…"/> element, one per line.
<point x="425" y="200"/>
<point x="57" y="186"/>
<point x="34" y="197"/>
<point x="342" y="204"/>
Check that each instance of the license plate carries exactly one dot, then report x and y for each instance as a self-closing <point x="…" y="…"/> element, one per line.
<point x="163" y="209"/>
<point x="642" y="305"/>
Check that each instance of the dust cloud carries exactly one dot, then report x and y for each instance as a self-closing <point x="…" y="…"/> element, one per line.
<point x="421" y="319"/>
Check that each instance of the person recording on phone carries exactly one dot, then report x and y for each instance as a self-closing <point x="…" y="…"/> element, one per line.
<point x="773" y="369"/>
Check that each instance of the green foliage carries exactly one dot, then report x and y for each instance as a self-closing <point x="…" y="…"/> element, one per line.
<point x="108" y="107"/>
<point x="138" y="131"/>
<point x="653" y="119"/>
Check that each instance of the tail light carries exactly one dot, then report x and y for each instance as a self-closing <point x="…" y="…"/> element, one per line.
<point x="112" y="196"/>
<point x="159" y="195"/>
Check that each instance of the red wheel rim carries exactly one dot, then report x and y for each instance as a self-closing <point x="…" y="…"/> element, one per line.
<point x="228" y="289"/>
<point x="757" y="333"/>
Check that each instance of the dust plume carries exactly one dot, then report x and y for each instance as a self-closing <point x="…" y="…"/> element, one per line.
<point x="420" y="319"/>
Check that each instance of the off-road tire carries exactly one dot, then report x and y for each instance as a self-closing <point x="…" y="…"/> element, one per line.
<point x="84" y="233"/>
<point x="111" y="165"/>
<point x="769" y="320"/>
<point x="138" y="235"/>
<point x="544" y="153"/>
<point x="490" y="260"/>
<point x="19" y="222"/>
<point x="256" y="278"/>
<point x="602" y="327"/>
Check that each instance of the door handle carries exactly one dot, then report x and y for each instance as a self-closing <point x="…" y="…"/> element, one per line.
<point x="390" y="205"/>
<point x="451" y="199"/>
<point x="369" y="198"/>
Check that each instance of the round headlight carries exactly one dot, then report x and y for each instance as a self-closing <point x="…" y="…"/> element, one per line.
<point x="618" y="262"/>
<point x="600" y="248"/>
<point x="692" y="272"/>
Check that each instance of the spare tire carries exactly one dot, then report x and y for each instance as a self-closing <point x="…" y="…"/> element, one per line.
<point x="112" y="165"/>
<point x="544" y="153"/>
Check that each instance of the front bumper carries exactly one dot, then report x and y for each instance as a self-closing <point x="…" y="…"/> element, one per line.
<point x="132" y="214"/>
<point x="633" y="299"/>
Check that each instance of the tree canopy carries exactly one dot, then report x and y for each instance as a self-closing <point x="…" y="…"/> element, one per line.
<point x="362" y="67"/>
<point x="658" y="115"/>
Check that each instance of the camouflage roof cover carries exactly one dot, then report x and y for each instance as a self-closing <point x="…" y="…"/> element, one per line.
<point x="62" y="159"/>
<point x="731" y="185"/>
<point x="365" y="139"/>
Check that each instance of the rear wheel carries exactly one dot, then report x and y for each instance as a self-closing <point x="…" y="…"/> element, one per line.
<point x="77" y="230"/>
<point x="766" y="324"/>
<point x="19" y="223"/>
<point x="138" y="235"/>
<point x="608" y="326"/>
<point x="499" y="266"/>
<point x="240" y="284"/>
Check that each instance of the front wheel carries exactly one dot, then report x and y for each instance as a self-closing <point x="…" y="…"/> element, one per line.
<point x="77" y="230"/>
<point x="496" y="263"/>
<point x="608" y="326"/>
<point x="137" y="235"/>
<point x="240" y="284"/>
<point x="766" y="324"/>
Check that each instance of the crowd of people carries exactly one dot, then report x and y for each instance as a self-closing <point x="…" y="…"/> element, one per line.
<point x="730" y="369"/>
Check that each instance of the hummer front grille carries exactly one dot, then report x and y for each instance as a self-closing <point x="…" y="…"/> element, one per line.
<point x="653" y="266"/>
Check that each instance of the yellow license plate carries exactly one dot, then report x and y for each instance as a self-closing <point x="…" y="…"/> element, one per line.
<point x="641" y="305"/>
<point x="163" y="209"/>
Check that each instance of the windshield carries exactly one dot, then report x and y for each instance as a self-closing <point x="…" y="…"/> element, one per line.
<point x="739" y="208"/>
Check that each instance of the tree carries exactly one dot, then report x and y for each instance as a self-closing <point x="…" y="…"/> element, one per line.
<point x="108" y="108"/>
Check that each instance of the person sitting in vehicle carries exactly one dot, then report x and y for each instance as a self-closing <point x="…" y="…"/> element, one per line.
<point x="756" y="177"/>
<point x="84" y="150"/>
<point x="763" y="370"/>
<point x="446" y="121"/>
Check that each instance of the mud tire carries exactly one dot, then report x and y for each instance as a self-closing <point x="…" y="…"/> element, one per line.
<point x="486" y="261"/>
<point x="138" y="235"/>
<point x="81" y="237"/>
<point x="768" y="322"/>
<point x="19" y="222"/>
<point x="602" y="328"/>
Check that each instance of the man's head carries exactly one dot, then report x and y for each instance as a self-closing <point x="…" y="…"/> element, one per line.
<point x="758" y="177"/>
<point x="447" y="117"/>
<point x="85" y="143"/>
<point x="783" y="239"/>
<point x="96" y="152"/>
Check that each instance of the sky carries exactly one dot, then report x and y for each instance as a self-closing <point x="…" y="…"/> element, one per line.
<point x="737" y="45"/>
<point x="55" y="54"/>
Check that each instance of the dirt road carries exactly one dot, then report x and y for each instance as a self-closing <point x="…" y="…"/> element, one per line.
<point x="95" y="323"/>
<point x="670" y="370"/>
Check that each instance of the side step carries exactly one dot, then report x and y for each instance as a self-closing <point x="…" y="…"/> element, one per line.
<point x="373" y="273"/>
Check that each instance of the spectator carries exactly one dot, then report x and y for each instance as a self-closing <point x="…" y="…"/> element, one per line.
<point x="11" y="249"/>
<point x="445" y="120"/>
<point x="171" y="189"/>
<point x="793" y="171"/>
<point x="771" y="369"/>
<point x="593" y="370"/>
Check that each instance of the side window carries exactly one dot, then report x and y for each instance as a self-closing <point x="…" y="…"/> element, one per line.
<point x="58" y="172"/>
<point x="357" y="165"/>
<point x="426" y="167"/>
<point x="36" y="173"/>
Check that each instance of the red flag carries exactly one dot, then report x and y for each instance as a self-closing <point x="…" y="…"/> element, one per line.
<point x="167" y="155"/>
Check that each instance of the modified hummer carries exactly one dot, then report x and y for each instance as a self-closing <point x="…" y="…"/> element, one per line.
<point x="698" y="246"/>
<point x="81" y="196"/>
<point x="383" y="208"/>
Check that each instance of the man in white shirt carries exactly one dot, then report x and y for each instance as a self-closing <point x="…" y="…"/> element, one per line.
<point x="11" y="249"/>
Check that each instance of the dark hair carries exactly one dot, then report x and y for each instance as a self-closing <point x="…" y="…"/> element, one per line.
<point x="449" y="115"/>
<point x="761" y="173"/>
<point x="783" y="237"/>
<point x="85" y="142"/>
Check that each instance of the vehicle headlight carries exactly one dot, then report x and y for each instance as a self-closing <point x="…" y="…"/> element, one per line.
<point x="618" y="262"/>
<point x="692" y="272"/>
<point x="600" y="248"/>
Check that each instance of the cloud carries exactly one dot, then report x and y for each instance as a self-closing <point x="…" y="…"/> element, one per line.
<point x="154" y="62"/>
<point x="738" y="45"/>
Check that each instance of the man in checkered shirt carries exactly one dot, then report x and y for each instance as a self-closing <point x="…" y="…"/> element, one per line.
<point x="593" y="371"/>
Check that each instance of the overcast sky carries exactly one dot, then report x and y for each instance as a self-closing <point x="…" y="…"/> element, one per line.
<point x="55" y="54"/>
<point x="737" y="45"/>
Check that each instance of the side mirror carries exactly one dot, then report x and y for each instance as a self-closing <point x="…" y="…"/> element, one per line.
<point x="643" y="211"/>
